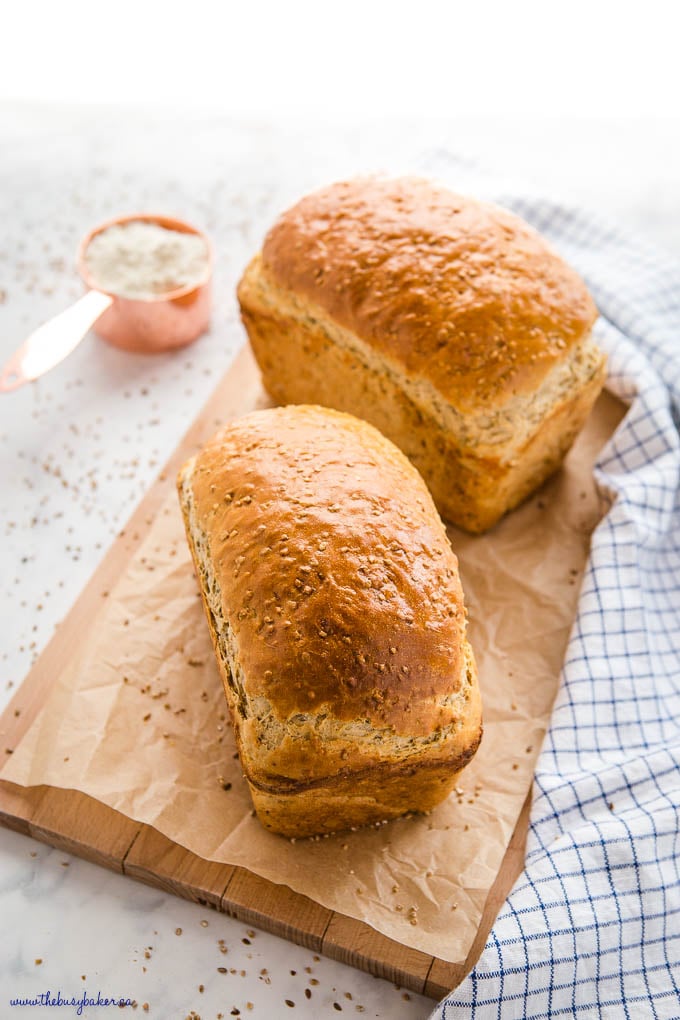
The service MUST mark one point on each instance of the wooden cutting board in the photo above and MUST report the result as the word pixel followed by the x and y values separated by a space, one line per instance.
pixel 78 824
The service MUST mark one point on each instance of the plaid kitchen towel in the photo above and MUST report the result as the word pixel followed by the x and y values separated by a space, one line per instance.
pixel 592 926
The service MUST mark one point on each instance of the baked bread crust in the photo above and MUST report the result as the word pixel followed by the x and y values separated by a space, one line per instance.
pixel 337 618
pixel 447 323
pixel 460 292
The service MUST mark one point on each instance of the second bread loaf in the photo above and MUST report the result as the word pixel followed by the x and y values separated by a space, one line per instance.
pixel 337 617
pixel 446 322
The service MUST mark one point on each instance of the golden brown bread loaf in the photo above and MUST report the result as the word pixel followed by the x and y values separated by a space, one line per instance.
pixel 337 617
pixel 447 323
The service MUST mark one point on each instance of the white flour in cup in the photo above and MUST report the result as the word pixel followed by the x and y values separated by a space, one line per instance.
pixel 143 260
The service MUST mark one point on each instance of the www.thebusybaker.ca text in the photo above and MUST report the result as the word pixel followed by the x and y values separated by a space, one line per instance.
pixel 79 1004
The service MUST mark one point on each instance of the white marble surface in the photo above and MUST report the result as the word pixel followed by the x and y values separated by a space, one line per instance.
pixel 79 448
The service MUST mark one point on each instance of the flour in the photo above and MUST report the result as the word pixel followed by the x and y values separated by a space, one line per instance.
pixel 143 260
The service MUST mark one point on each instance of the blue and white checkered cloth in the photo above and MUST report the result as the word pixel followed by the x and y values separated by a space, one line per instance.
pixel 592 926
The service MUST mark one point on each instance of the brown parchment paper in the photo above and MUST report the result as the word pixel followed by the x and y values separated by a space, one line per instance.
pixel 138 721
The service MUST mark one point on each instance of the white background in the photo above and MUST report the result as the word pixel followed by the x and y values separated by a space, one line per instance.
pixel 589 58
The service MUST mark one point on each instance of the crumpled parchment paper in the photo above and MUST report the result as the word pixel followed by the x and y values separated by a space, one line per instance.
pixel 138 721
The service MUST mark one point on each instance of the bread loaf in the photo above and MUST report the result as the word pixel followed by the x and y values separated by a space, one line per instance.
pixel 337 618
pixel 448 323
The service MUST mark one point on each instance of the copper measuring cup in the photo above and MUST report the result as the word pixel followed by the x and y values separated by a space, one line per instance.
pixel 150 325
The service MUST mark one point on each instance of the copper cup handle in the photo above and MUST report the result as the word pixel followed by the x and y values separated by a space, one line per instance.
pixel 53 341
